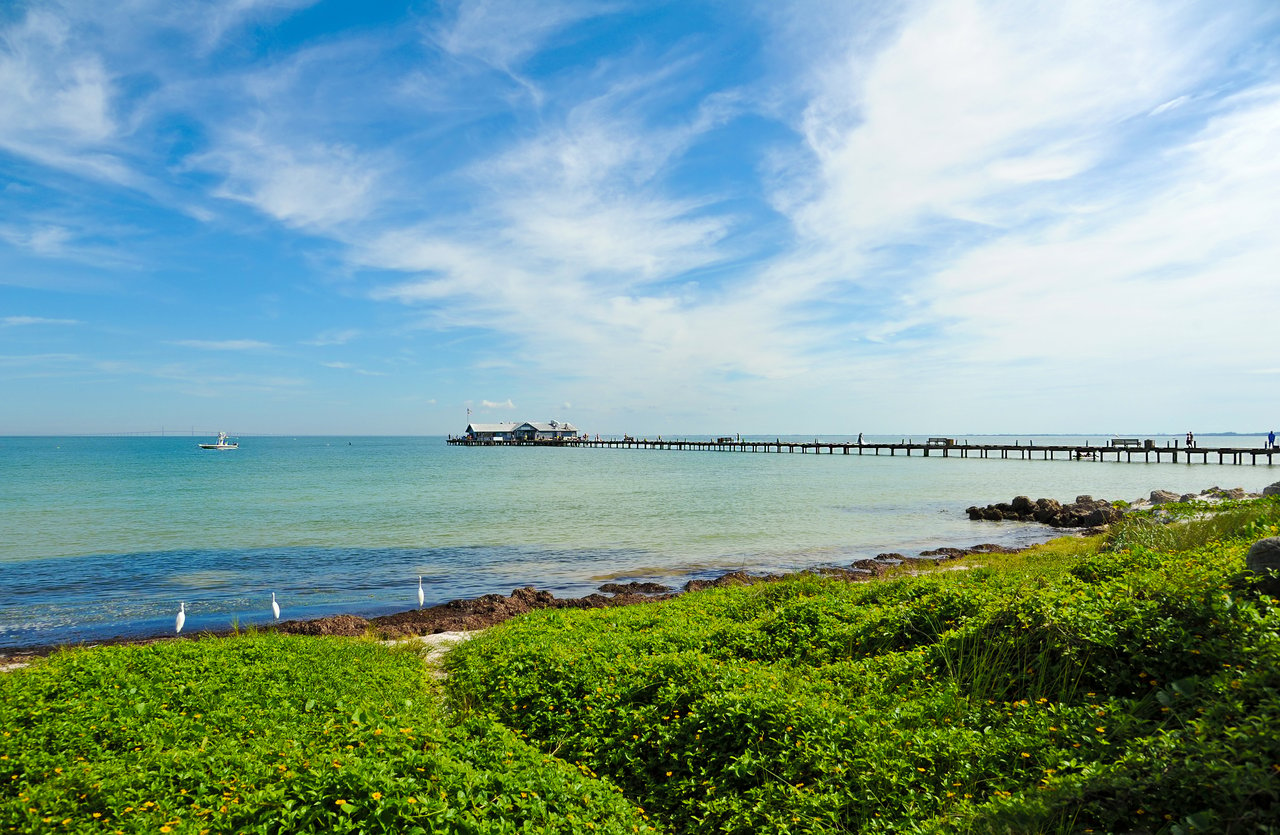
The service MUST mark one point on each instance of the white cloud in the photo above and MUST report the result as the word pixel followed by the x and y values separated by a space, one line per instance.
pixel 333 337
pixel 53 92
pixel 16 321
pixel 347 366
pixel 302 185
pixel 490 404
pixel 503 33
pixel 1145 275
pixel 970 101
pixel 223 344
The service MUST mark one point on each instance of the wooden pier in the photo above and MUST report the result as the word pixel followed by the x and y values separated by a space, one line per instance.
pixel 1030 451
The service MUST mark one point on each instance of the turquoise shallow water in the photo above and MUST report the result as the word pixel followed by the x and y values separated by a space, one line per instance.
pixel 103 537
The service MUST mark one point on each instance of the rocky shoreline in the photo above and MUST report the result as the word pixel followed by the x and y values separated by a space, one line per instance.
pixel 1088 512
pixel 1085 515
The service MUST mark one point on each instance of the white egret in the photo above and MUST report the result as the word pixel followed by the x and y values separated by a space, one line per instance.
pixel 275 607
pixel 421 597
pixel 182 617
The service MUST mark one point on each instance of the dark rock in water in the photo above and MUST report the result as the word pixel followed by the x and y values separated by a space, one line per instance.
pixel 1085 512
pixel 892 555
pixel 1163 496
pixel 1021 505
pixel 1045 510
pixel 1271 489
pixel 634 588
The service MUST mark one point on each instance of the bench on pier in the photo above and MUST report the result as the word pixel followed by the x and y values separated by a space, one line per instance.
pixel 942 442
pixel 1126 442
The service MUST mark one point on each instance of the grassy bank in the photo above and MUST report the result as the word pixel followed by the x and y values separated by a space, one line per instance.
pixel 1124 685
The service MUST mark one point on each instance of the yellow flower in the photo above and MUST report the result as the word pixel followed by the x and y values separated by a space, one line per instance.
pixel 413 800
pixel 339 801
pixel 377 795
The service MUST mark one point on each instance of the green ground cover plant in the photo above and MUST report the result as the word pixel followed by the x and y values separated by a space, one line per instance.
pixel 1092 685
pixel 272 734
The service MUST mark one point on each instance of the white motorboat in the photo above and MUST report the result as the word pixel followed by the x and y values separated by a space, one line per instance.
pixel 222 443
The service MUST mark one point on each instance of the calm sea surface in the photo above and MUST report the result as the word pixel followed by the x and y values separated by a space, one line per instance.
pixel 103 537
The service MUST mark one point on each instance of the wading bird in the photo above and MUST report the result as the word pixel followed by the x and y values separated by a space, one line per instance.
pixel 275 607
pixel 421 597
pixel 182 617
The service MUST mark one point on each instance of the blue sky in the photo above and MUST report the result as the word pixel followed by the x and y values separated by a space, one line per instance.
pixel 283 216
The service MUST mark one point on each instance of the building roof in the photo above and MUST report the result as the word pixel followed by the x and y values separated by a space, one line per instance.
pixel 476 428
pixel 550 426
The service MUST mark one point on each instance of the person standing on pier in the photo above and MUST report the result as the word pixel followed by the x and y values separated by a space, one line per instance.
pixel 1271 439
pixel 1191 439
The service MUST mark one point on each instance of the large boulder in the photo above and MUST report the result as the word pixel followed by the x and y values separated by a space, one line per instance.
pixel 1263 562
pixel 1272 489
pixel 1022 506
pixel 1163 496
pixel 1046 510
pixel 1264 556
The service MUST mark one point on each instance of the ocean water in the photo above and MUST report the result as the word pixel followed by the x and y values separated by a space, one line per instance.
pixel 104 537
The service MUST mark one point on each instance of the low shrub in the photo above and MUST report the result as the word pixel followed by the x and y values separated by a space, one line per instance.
pixel 271 734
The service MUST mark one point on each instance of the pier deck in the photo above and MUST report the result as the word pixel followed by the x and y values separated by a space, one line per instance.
pixel 1028 451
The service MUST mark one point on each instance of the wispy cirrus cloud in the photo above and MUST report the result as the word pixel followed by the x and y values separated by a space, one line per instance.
pixel 336 336
pixel 22 321
pixel 503 33
pixel 352 367
pixel 314 186
pixel 223 344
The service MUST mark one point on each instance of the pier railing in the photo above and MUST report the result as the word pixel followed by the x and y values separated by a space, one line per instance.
pixel 1148 453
